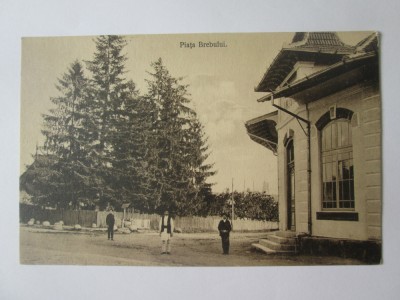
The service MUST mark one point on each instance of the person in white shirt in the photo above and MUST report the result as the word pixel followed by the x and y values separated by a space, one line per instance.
pixel 166 232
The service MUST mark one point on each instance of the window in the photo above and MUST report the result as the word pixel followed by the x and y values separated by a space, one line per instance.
pixel 337 166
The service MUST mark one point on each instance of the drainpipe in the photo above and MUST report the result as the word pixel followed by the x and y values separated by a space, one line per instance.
pixel 309 171
pixel 308 134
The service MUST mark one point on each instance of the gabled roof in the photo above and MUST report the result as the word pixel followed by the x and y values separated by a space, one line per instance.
pixel 369 44
pixel 322 77
pixel 344 65
pixel 31 173
pixel 365 52
pixel 305 46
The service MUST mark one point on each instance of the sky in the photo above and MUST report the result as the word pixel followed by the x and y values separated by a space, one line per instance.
pixel 221 83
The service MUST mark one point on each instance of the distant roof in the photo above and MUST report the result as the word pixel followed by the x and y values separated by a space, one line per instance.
pixel 38 166
pixel 125 205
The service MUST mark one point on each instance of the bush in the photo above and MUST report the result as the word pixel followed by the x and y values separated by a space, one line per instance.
pixel 250 205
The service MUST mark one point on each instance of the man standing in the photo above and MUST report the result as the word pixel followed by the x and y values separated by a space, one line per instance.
pixel 110 221
pixel 225 228
pixel 166 232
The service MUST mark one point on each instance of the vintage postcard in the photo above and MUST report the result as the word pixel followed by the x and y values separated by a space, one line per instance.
pixel 247 149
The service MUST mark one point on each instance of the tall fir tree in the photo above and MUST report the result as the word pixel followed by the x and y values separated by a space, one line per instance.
pixel 134 152
pixel 107 145
pixel 65 162
pixel 113 110
pixel 201 170
pixel 62 125
pixel 180 144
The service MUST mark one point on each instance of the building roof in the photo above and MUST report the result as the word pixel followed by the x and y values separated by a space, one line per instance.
pixel 338 70
pixel 327 42
pixel 125 205
pixel 342 65
pixel 325 47
pixel 369 44
pixel 34 170
pixel 364 52
pixel 262 130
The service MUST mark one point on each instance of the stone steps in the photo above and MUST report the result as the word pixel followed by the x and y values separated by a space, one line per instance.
pixel 280 242
pixel 276 246
pixel 286 234
pixel 262 248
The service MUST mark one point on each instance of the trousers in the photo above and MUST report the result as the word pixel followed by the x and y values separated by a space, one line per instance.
pixel 225 243
pixel 166 242
pixel 110 232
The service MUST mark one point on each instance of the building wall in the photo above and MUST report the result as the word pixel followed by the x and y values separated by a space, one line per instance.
pixel 286 125
pixel 364 101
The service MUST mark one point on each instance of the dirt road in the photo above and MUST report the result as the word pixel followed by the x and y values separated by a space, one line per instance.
pixel 38 246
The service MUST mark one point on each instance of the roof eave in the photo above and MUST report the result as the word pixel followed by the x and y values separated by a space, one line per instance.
pixel 259 87
pixel 315 78
pixel 285 53
pixel 262 130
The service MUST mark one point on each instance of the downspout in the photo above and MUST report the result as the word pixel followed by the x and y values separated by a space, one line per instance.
pixel 308 134
pixel 309 171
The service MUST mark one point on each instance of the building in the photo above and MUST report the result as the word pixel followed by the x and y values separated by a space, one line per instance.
pixel 326 133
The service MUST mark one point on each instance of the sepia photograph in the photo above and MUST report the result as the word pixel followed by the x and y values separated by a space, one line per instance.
pixel 201 150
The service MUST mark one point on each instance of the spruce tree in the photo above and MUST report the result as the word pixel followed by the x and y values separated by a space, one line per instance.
pixel 64 164
pixel 110 93
pixel 181 171
pixel 107 145
pixel 201 193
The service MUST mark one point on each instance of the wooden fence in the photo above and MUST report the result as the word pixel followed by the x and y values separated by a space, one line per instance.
pixel 70 217
pixel 144 221
pixel 210 223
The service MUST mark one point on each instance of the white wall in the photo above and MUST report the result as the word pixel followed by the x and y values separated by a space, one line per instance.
pixel 364 101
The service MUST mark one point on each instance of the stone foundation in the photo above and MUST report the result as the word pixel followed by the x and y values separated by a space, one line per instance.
pixel 369 252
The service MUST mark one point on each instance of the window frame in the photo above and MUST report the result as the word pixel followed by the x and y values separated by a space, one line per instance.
pixel 343 116
pixel 337 152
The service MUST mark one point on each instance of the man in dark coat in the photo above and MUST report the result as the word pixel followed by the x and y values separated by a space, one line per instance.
pixel 110 221
pixel 225 228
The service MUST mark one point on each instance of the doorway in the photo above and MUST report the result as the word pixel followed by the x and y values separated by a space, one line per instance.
pixel 291 209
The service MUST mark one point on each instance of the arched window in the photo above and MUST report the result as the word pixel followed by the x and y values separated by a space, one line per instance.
pixel 337 165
